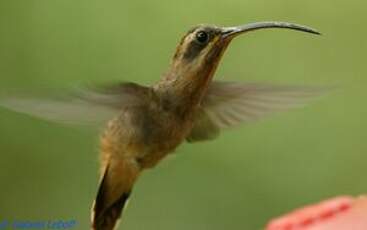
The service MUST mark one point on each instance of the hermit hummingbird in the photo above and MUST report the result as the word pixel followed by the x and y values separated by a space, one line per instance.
pixel 145 123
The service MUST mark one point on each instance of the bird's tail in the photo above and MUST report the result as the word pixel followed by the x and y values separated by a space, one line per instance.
pixel 113 194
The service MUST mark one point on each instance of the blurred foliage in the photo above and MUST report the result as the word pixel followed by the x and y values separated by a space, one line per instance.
pixel 239 181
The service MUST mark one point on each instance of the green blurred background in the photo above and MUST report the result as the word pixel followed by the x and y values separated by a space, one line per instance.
pixel 239 181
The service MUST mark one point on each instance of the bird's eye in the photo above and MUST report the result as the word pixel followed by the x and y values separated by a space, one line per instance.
pixel 202 37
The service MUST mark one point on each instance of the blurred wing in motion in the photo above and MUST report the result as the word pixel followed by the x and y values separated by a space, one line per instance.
pixel 203 129
pixel 87 106
pixel 228 104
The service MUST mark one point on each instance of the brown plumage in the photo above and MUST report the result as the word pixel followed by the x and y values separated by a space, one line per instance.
pixel 147 123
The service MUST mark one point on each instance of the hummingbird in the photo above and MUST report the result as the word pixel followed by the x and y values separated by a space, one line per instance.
pixel 143 124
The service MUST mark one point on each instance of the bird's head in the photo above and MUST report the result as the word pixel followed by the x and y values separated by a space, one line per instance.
pixel 201 48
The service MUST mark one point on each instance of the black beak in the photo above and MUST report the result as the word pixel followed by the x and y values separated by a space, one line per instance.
pixel 230 32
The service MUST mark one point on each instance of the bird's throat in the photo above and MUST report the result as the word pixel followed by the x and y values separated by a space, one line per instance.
pixel 187 81
pixel 185 88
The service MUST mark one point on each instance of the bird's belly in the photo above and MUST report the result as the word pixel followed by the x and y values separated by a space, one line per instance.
pixel 143 139
pixel 161 145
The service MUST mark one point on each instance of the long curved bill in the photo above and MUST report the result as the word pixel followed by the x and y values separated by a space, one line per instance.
pixel 230 32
